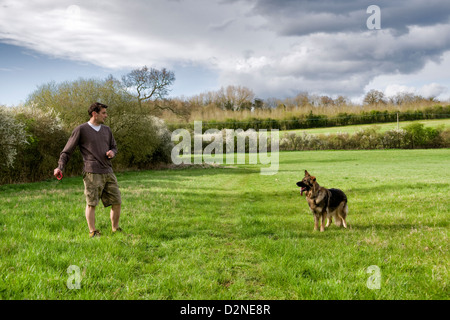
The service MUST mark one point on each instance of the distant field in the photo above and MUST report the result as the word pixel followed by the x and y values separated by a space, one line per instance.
pixel 445 123
pixel 231 233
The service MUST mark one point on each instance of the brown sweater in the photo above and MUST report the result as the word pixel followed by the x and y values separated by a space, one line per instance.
pixel 93 146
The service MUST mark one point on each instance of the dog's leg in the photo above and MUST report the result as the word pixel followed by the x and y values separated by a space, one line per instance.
pixel 316 222
pixel 343 222
pixel 329 219
pixel 322 225
pixel 338 218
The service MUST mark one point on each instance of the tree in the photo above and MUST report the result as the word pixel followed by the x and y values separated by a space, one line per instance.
pixel 341 101
pixel 71 99
pixel 149 83
pixel 374 97
pixel 301 100
pixel 234 98
pixel 258 103
pixel 405 97
pixel 326 101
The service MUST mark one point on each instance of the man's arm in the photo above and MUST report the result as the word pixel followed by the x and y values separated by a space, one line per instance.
pixel 112 148
pixel 71 144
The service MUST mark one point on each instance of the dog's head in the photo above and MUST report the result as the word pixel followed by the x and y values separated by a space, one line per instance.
pixel 306 183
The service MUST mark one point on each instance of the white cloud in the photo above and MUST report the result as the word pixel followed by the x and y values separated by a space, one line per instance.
pixel 394 89
pixel 432 90
pixel 114 33
pixel 427 91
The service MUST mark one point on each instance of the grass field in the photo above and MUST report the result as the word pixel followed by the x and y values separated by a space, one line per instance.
pixel 444 123
pixel 231 233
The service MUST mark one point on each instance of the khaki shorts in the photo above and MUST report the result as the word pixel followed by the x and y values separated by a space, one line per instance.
pixel 101 186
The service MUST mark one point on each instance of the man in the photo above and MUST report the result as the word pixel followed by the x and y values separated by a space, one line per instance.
pixel 98 147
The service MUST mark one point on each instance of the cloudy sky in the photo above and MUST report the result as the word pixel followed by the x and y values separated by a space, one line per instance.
pixel 276 48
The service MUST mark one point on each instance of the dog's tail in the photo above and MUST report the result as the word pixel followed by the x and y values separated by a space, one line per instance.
pixel 341 213
pixel 345 210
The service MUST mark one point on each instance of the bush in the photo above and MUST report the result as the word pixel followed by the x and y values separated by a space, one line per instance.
pixel 367 138
pixel 394 139
pixel 142 141
pixel 291 142
pixel 46 138
pixel 12 137
pixel 420 137
pixel 413 136
pixel 305 141
pixel 445 138
pixel 164 146
pixel 338 141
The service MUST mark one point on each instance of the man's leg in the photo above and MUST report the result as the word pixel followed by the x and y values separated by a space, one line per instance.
pixel 90 217
pixel 91 190
pixel 115 215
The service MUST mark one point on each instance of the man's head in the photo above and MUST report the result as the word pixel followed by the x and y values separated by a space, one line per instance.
pixel 97 112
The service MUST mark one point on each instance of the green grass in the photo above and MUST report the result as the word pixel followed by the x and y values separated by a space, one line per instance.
pixel 231 233
pixel 444 123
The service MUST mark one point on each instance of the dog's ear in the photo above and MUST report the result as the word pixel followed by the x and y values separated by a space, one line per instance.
pixel 306 173
pixel 313 179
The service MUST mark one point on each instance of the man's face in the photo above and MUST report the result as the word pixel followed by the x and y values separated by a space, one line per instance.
pixel 100 117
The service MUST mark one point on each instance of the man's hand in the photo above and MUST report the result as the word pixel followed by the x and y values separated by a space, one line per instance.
pixel 110 154
pixel 57 173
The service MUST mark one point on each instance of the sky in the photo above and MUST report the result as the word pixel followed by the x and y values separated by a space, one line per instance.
pixel 276 48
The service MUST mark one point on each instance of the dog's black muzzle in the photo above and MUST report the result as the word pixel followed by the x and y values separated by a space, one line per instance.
pixel 304 187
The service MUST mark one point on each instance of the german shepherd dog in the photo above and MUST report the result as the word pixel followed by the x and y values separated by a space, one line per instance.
pixel 323 202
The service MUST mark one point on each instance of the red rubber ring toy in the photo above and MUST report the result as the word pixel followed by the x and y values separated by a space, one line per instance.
pixel 59 176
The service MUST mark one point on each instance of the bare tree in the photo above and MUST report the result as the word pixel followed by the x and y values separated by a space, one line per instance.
pixel 301 100
pixel 326 101
pixel 150 84
pixel 234 98
pixel 405 97
pixel 374 97
pixel 341 101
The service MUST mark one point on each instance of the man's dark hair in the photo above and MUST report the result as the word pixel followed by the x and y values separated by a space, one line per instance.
pixel 96 106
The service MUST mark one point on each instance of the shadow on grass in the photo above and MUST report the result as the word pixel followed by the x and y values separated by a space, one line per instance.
pixel 393 226
pixel 307 160
pixel 390 187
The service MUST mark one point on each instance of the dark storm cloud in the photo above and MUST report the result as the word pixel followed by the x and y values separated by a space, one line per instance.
pixel 293 17
pixel 333 51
